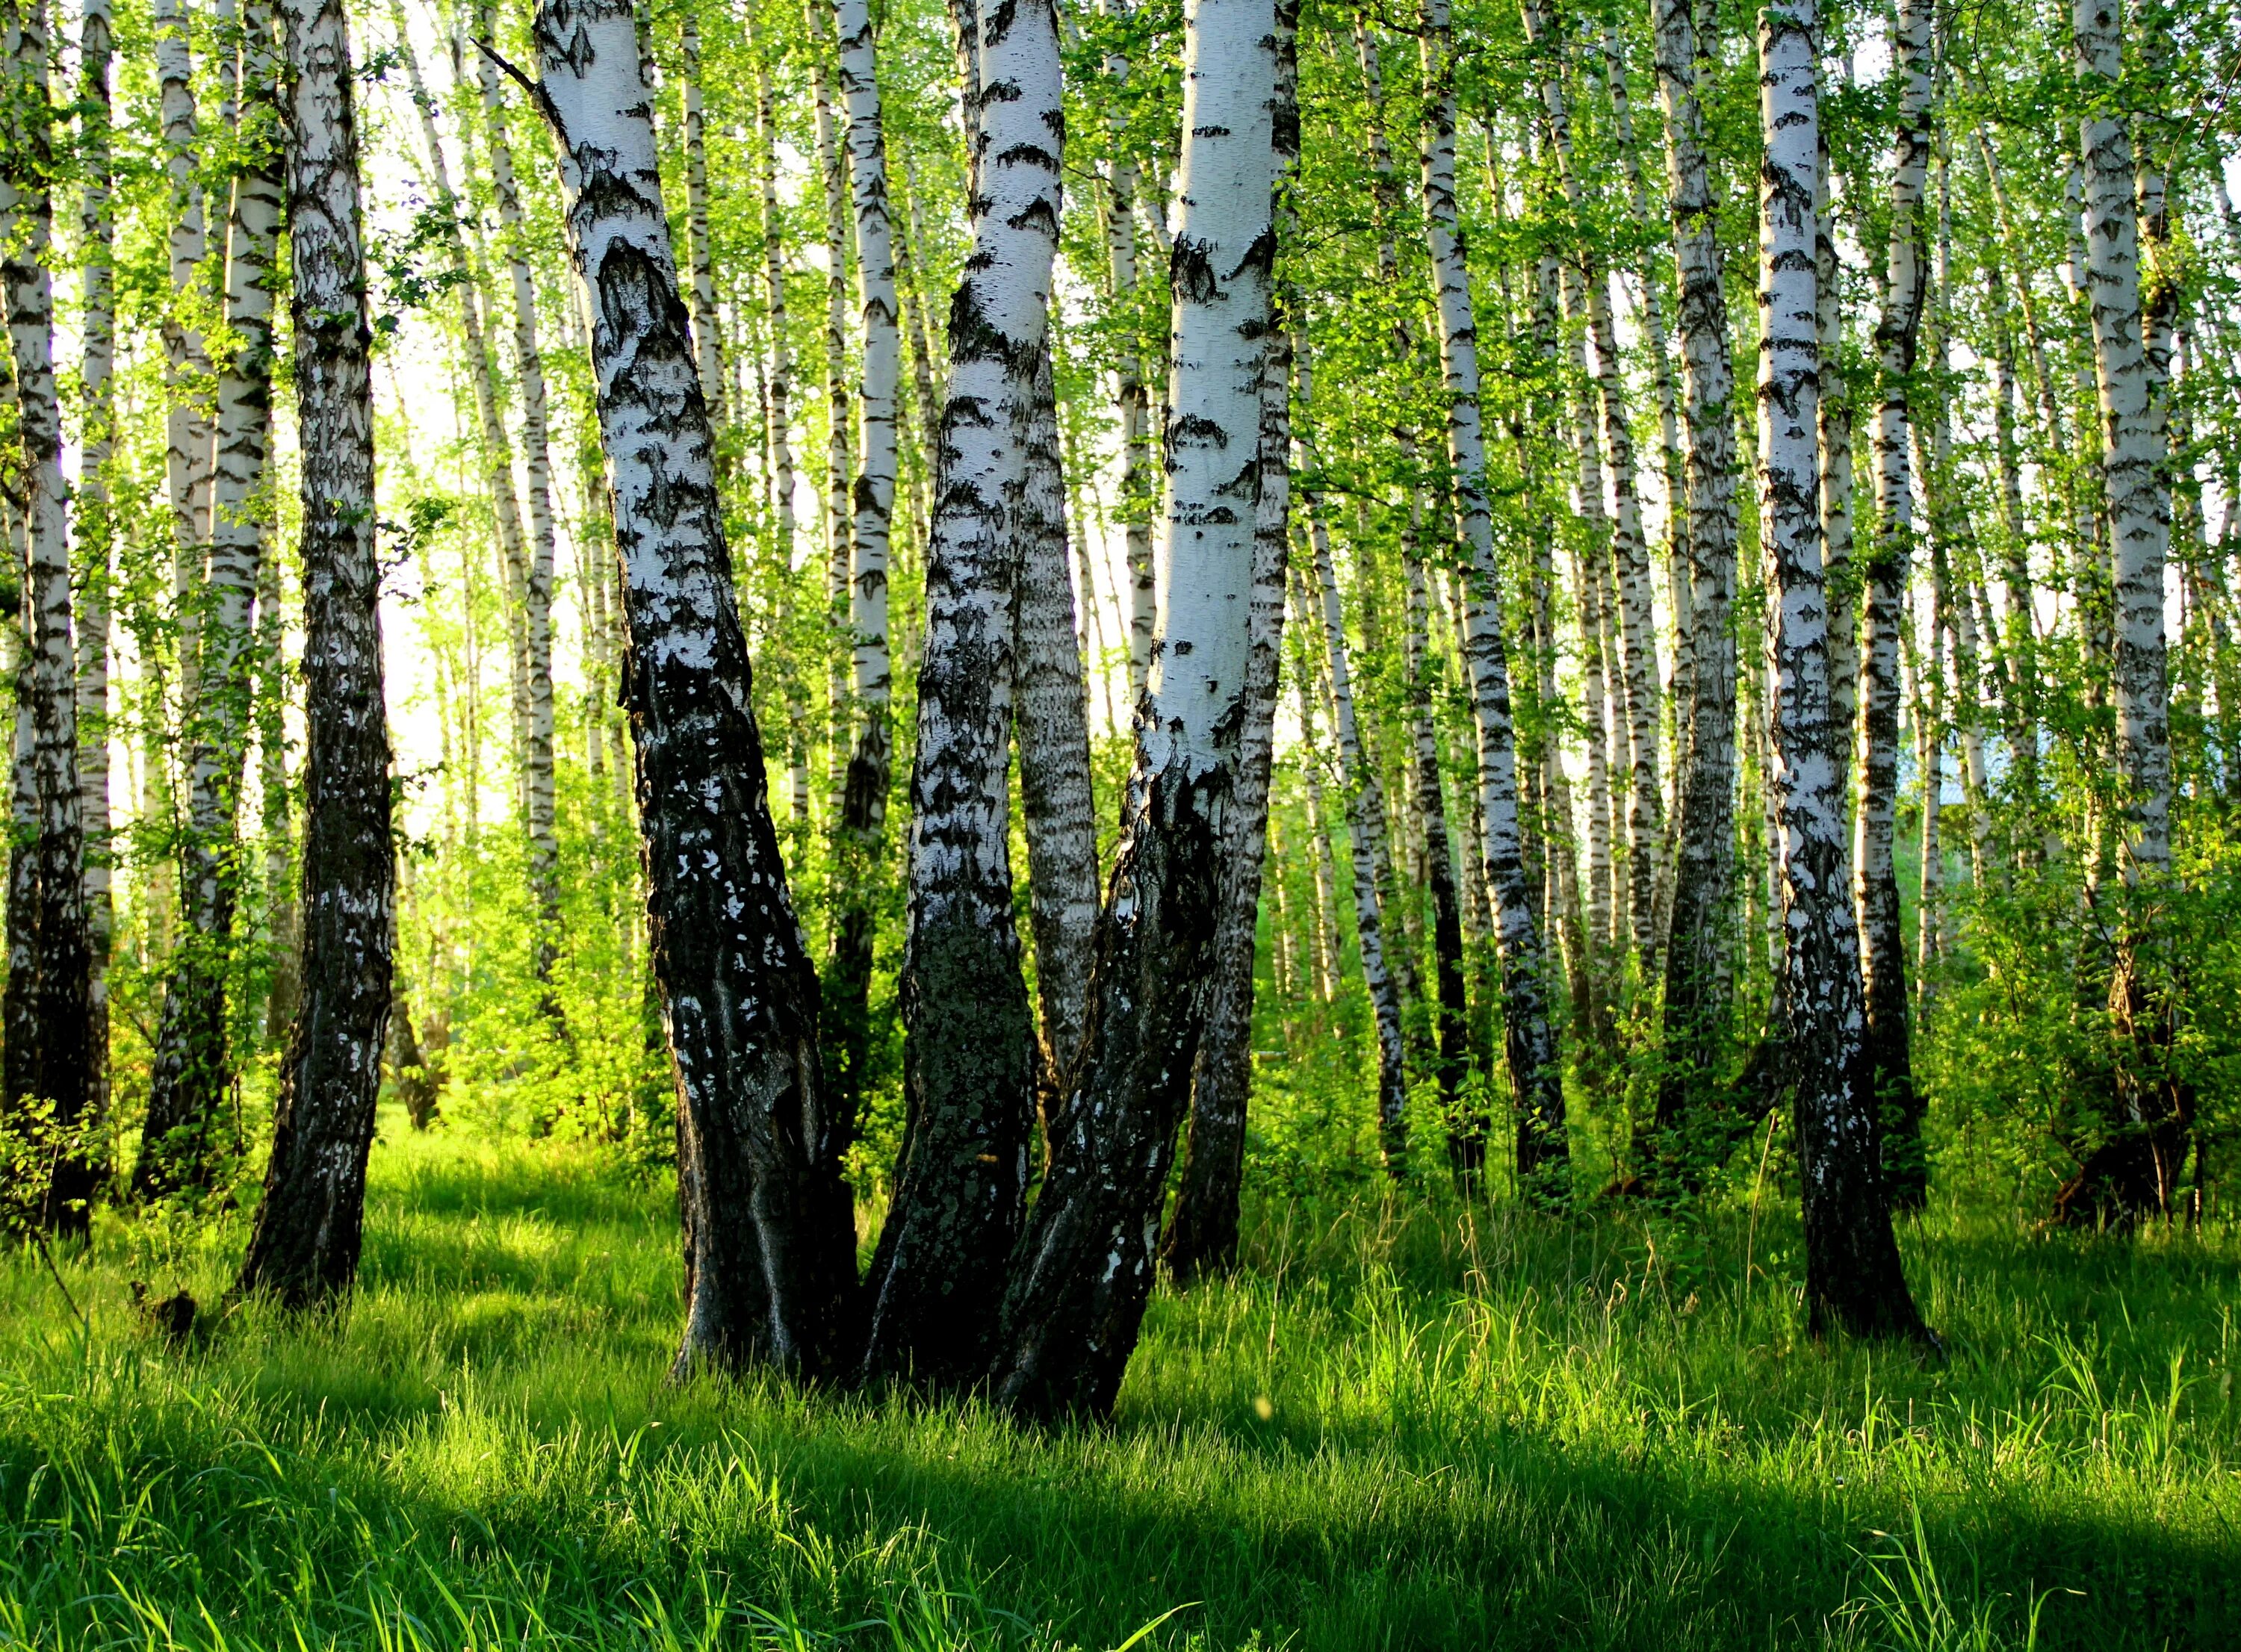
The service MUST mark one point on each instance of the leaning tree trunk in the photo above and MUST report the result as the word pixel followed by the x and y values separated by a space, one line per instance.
pixel 96 526
pixel 769 1234
pixel 1704 876
pixel 1536 1069
pixel 49 1012
pixel 1084 1267
pixel 538 788
pixel 1853 1278
pixel 190 1073
pixel 860 835
pixel 2137 1170
pixel 304 1247
pixel 1875 872
pixel 960 1181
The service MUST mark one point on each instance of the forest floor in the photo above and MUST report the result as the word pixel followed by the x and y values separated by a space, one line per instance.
pixel 1390 1430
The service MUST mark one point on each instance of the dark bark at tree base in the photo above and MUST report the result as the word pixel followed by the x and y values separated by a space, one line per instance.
pixel 1083 1269
pixel 2134 1175
pixel 937 1282
pixel 1854 1281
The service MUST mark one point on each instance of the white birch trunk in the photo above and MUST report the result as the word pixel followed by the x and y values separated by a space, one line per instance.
pixel 779 439
pixel 1085 1264
pixel 1365 820
pixel 960 1185
pixel 1634 624
pixel 1704 888
pixel 186 362
pixel 770 1241
pixel 707 340
pixel 538 788
pixel 1853 1278
pixel 1874 871
pixel 190 1077
pixel 1139 488
pixel 1543 1159
pixel 2134 447
pixel 96 520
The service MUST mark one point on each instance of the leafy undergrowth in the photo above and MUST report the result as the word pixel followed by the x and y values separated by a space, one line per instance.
pixel 1426 1429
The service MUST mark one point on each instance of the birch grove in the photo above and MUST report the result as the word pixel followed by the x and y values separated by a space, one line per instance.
pixel 1605 845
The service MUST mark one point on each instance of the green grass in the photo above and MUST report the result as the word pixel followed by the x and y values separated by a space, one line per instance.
pixel 1397 1428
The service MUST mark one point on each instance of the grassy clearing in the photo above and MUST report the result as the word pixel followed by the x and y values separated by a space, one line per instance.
pixel 1392 1430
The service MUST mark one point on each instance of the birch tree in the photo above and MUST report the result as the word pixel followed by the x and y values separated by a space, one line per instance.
pixel 1543 1154
pixel 1875 872
pixel 1084 1265
pixel 1695 964
pixel 960 1182
pixel 304 1245
pixel 191 1070
pixel 769 1235
pixel 1852 1275
pixel 49 1008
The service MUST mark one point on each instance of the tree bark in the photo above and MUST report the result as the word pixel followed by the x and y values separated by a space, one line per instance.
pixel 860 838
pixel 1536 1069
pixel 96 526
pixel 304 1246
pixel 1882 955
pixel 1084 1265
pixel 1635 626
pixel 2136 1170
pixel 538 788
pixel 186 362
pixel 961 1181
pixel 1051 707
pixel 770 1244
pixel 1139 488
pixel 191 1068
pixel 1703 891
pixel 707 340
pixel 1853 1278
pixel 48 1005
pixel 778 437
pixel 1202 1235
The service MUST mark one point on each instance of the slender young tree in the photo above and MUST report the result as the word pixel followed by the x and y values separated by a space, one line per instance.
pixel 769 1234
pixel 191 1069
pixel 862 826
pixel 186 362
pixel 960 1182
pixel 1051 712
pixel 1084 1265
pixel 1536 1072
pixel 1695 958
pixel 95 524
pixel 707 338
pixel 1874 870
pixel 1138 489
pixel 538 785
pixel 304 1246
pixel 1853 1278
